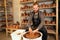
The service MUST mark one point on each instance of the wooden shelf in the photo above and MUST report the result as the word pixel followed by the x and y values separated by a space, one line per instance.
pixel 25 16
pixel 51 31
pixel 1 11
pixel 2 22
pixel 24 23
pixel 4 12
pixel 4 27
pixel 45 16
pixel 44 24
pixel 50 16
pixel 9 7
pixel 47 7
pixel 1 6
pixel 39 8
pixel 10 21
pixel 10 16
pixel 5 17
pixel 12 28
pixel 33 1
pixel 50 24
pixel 2 16
pixel 44 0
pixel 27 2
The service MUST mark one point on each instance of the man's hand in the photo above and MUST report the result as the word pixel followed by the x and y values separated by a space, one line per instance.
pixel 30 30
pixel 35 30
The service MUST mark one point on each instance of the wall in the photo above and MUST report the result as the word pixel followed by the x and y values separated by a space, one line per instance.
pixel 16 10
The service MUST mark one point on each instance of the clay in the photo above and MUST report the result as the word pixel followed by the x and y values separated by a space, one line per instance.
pixel 32 35
pixel 54 5
pixel 53 14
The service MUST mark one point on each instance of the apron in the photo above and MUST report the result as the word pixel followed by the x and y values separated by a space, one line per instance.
pixel 36 21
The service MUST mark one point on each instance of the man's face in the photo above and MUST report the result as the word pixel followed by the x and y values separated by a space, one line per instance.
pixel 35 8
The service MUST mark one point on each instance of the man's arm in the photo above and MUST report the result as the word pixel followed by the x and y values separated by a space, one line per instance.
pixel 30 20
pixel 41 15
pixel 29 23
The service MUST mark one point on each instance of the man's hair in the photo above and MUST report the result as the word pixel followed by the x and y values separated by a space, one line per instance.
pixel 35 3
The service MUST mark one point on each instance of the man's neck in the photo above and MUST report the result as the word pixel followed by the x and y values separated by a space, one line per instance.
pixel 36 11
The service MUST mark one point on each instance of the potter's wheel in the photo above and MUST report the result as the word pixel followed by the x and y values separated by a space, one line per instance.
pixel 32 36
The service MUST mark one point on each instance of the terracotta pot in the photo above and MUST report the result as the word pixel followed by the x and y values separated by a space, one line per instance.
pixel 6 27
pixel 22 14
pixel 41 6
pixel 22 8
pixel 26 14
pixel 49 5
pixel 46 22
pixel 54 5
pixel 50 14
pixel 44 5
pixel 23 21
pixel 53 14
pixel 17 26
pixel 14 26
pixel 21 0
pixel 47 14
pixel 26 21
pixel 10 26
pixel 25 7
pixel 53 22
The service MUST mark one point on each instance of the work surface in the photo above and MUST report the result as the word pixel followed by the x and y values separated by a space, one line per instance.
pixel 3 36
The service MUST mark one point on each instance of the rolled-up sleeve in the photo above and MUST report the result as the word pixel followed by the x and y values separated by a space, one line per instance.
pixel 41 15
pixel 30 20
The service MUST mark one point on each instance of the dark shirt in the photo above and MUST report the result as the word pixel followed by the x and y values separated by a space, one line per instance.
pixel 41 16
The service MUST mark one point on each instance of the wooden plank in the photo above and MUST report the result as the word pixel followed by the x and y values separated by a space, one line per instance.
pixel 50 24
pixel 39 8
pixel 27 2
pixel 56 19
pixel 51 32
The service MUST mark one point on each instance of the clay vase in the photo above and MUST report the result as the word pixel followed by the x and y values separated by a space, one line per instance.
pixel 53 14
pixel 53 22
pixel 54 5
pixel 44 5
pixel 50 14
pixel 47 14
